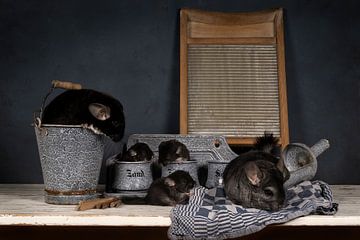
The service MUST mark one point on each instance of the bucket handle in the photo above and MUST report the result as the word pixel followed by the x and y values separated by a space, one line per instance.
pixel 56 84
pixel 66 85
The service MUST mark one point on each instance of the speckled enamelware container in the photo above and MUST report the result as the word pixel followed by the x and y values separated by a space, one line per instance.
pixel 71 158
pixel 202 148
pixel 300 160
pixel 132 177
pixel 215 173
pixel 189 166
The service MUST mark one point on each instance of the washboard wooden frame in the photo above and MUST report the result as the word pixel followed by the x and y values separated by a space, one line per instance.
pixel 215 49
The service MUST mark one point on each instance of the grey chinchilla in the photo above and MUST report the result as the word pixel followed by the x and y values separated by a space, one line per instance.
pixel 255 179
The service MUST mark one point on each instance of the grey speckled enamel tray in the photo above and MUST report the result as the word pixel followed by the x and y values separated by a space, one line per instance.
pixel 202 148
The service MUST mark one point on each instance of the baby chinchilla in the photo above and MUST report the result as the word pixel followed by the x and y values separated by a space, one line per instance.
pixel 136 153
pixel 172 151
pixel 171 190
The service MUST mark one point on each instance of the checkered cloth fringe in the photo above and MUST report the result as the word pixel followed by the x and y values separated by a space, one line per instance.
pixel 209 215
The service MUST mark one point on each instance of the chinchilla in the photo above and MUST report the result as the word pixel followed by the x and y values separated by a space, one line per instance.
pixel 97 111
pixel 255 179
pixel 136 153
pixel 172 151
pixel 171 190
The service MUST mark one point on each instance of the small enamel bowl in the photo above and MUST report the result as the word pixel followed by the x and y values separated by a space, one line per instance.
pixel 215 173
pixel 132 176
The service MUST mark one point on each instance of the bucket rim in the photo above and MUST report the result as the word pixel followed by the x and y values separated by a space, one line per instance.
pixel 59 125
pixel 138 163
pixel 217 162
pixel 189 162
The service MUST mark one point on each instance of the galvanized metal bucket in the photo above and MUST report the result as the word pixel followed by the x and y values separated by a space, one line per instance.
pixel 71 158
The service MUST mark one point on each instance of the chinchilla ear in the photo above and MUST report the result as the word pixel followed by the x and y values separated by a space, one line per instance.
pixel 169 182
pixel 99 111
pixel 253 173
pixel 178 150
pixel 133 153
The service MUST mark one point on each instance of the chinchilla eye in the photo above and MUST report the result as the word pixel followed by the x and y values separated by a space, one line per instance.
pixel 115 123
pixel 268 192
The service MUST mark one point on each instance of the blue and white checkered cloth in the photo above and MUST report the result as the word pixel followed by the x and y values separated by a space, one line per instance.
pixel 209 215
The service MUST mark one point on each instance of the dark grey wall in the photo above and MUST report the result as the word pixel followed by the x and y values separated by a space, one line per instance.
pixel 130 50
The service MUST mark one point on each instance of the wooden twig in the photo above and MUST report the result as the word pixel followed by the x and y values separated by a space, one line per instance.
pixel 99 203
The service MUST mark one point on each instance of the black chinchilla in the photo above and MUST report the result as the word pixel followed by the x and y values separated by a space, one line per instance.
pixel 136 153
pixel 255 179
pixel 97 111
pixel 172 151
pixel 171 190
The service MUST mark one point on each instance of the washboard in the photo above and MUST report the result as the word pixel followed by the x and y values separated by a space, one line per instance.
pixel 232 75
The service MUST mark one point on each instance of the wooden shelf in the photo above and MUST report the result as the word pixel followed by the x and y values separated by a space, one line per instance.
pixel 24 205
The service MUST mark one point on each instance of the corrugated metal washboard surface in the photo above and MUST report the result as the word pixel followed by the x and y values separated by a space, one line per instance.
pixel 233 90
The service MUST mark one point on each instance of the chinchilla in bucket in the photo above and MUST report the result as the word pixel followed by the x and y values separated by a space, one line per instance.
pixel 135 177
pixel 189 166
pixel 70 157
pixel 215 173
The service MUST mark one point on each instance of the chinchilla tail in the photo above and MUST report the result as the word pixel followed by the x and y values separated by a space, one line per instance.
pixel 268 143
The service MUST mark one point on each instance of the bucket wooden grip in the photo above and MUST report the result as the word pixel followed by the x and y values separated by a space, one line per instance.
pixel 66 85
